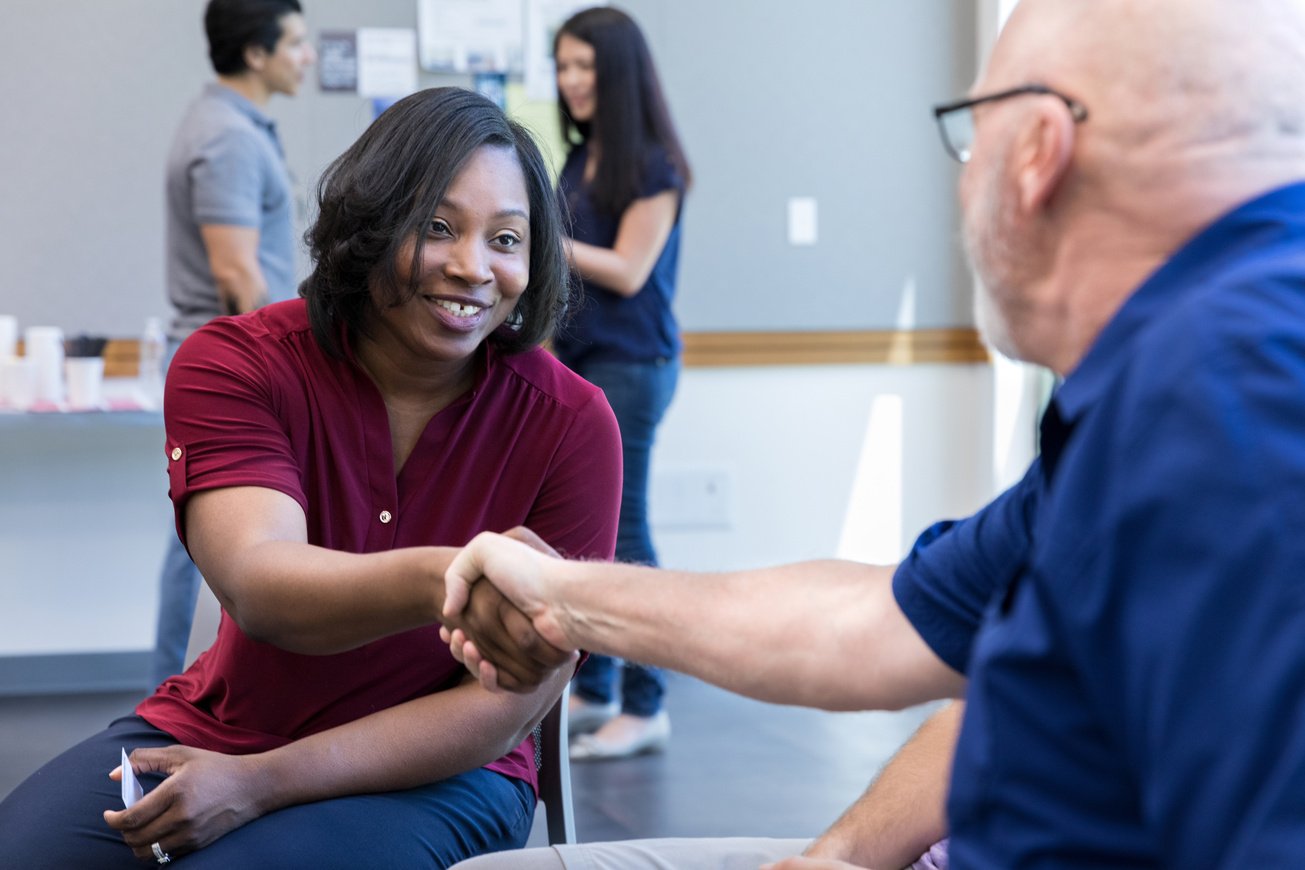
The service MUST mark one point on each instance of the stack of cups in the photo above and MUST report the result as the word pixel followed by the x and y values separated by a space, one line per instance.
pixel 17 374
pixel 44 347
pixel 84 373
pixel 8 337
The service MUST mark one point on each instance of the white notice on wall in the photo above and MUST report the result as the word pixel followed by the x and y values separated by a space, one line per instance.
pixel 387 61
pixel 543 18
pixel 470 35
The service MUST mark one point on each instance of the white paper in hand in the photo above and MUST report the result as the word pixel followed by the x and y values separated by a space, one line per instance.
pixel 131 790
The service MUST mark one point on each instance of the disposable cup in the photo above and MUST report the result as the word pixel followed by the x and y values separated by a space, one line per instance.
pixel 18 383
pixel 44 345
pixel 8 335
pixel 85 380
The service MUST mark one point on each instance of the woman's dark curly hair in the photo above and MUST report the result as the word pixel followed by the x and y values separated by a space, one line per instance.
pixel 383 192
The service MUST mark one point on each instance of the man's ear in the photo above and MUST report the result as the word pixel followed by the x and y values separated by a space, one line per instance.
pixel 1044 150
pixel 255 57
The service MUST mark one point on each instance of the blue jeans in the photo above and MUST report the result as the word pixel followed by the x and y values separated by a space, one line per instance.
pixel 179 582
pixel 639 394
pixel 53 818
pixel 178 589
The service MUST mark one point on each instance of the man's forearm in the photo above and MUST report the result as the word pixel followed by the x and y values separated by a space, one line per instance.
pixel 903 812
pixel 824 634
pixel 241 292
pixel 233 260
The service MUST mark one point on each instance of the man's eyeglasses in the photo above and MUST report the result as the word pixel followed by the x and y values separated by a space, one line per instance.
pixel 956 120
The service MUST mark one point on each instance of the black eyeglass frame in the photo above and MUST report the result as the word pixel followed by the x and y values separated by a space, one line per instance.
pixel 1077 110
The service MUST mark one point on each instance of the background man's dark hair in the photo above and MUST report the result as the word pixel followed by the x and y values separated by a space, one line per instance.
pixel 234 25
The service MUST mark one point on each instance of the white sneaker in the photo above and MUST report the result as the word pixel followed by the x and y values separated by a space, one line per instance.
pixel 623 737
pixel 584 716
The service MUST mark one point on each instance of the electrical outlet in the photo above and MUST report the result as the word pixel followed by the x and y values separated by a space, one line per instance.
pixel 690 498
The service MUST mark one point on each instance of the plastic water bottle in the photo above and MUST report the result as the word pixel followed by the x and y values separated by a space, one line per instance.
pixel 153 348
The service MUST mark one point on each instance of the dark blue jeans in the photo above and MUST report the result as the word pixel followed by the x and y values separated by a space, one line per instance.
pixel 179 581
pixel 639 394
pixel 53 819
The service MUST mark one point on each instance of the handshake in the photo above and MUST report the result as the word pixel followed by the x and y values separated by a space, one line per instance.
pixel 501 618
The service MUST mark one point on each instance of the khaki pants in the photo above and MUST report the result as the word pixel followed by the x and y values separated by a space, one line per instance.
pixel 723 853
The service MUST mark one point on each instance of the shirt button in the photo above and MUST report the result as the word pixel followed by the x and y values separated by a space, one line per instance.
pixel 176 453
pixel 386 516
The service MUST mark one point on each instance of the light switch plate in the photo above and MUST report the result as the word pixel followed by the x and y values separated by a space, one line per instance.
pixel 802 220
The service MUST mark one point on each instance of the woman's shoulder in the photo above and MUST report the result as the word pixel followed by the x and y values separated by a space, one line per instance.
pixel 655 153
pixel 542 373
pixel 248 339
pixel 271 321
pixel 574 162
pixel 660 171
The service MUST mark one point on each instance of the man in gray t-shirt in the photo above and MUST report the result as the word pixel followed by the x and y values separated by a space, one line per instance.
pixel 230 239
pixel 230 236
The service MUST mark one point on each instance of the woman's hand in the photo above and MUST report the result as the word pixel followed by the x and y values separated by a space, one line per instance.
pixel 206 794
pixel 490 633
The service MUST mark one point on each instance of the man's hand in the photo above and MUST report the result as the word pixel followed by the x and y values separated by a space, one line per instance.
pixel 233 260
pixel 507 652
pixel 531 540
pixel 206 795
pixel 503 632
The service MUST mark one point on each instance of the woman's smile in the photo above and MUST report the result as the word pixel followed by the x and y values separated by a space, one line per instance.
pixel 462 315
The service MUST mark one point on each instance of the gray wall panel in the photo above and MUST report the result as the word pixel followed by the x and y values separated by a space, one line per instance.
pixel 827 99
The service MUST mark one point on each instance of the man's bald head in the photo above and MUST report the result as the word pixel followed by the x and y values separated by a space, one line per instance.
pixel 1192 108
pixel 1167 74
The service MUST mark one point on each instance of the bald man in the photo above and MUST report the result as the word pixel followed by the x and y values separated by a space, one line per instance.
pixel 1134 203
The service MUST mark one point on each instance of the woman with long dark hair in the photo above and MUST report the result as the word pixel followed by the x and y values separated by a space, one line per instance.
pixel 623 183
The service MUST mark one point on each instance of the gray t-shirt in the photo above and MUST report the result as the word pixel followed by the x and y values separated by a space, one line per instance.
pixel 226 167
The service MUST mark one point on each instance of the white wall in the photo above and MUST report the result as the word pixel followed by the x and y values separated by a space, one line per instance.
pixel 84 513
pixel 789 441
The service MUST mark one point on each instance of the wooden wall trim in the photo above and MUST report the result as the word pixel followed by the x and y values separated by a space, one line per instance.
pixel 886 347
pixel 122 358
pixel 721 349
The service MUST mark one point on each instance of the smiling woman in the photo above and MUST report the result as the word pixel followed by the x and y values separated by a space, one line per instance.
pixel 326 456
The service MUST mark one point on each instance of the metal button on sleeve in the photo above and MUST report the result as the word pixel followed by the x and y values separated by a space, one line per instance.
pixel 176 453
pixel 386 516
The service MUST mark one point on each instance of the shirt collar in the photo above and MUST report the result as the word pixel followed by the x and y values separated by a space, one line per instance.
pixel 242 104
pixel 1244 233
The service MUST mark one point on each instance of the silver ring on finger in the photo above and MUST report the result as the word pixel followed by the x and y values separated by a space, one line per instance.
pixel 159 855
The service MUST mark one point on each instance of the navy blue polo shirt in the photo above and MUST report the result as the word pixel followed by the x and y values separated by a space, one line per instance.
pixel 1137 688
pixel 605 326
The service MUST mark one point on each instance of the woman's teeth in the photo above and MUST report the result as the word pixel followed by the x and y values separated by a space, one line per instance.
pixel 457 309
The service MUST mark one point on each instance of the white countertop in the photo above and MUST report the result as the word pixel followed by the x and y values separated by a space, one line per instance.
pixel 125 403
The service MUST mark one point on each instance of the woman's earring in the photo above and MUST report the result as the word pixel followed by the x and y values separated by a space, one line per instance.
pixel 516 320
